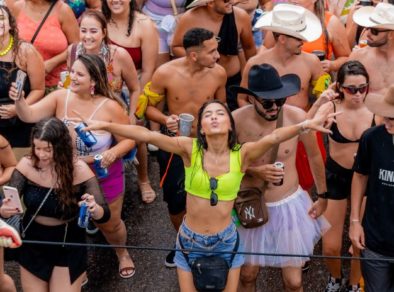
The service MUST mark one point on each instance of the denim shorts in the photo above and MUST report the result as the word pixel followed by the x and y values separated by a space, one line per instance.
pixel 220 242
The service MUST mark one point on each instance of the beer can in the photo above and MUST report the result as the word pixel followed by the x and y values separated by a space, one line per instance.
pixel 86 136
pixel 281 165
pixel 84 215
pixel 65 78
pixel 101 172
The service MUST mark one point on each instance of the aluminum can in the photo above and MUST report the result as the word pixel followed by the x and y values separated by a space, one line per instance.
pixel 281 165
pixel 86 136
pixel 84 215
pixel 101 172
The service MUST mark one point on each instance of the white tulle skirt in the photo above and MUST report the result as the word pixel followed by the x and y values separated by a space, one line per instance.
pixel 290 230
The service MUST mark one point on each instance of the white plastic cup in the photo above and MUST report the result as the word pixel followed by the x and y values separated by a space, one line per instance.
pixel 185 124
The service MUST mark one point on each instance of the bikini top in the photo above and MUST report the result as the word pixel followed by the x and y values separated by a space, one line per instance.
pixel 338 137
pixel 197 179
pixel 104 139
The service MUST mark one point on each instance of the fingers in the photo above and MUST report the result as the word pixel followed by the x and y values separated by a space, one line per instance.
pixel 108 158
pixel 172 123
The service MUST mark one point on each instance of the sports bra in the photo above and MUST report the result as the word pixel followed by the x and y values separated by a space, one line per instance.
pixel 338 137
pixel 197 179
pixel 135 54
pixel 104 139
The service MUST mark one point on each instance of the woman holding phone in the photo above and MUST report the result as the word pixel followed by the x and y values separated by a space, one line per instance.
pixel 53 183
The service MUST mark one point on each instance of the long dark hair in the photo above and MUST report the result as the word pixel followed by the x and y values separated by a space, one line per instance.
pixel 13 29
pixel 349 68
pixel 98 73
pixel 53 131
pixel 320 12
pixel 107 13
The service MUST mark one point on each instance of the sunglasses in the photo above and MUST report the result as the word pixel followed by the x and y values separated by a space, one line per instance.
pixel 376 31
pixel 353 89
pixel 267 104
pixel 213 185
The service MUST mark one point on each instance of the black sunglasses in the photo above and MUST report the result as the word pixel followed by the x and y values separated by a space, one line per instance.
pixel 353 89
pixel 376 31
pixel 213 185
pixel 267 103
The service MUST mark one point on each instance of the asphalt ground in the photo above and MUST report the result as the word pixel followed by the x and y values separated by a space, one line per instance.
pixel 149 226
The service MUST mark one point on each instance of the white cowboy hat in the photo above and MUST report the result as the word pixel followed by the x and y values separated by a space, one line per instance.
pixel 292 20
pixel 380 16
pixel 196 3
pixel 381 105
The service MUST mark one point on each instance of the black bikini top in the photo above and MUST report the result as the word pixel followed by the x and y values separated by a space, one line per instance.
pixel 338 137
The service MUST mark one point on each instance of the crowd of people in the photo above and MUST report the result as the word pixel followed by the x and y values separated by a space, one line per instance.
pixel 305 85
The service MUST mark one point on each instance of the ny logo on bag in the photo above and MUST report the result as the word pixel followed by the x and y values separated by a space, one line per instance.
pixel 249 213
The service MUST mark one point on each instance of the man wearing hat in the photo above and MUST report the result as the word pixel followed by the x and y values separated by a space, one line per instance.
pixel 231 24
pixel 374 177
pixel 378 56
pixel 294 224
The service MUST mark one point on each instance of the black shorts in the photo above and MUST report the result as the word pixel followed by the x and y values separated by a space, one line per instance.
pixel 174 184
pixel 339 180
pixel 40 259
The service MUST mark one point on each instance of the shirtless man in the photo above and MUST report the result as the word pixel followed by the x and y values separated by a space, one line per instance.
pixel 378 56
pixel 293 226
pixel 186 83
pixel 231 24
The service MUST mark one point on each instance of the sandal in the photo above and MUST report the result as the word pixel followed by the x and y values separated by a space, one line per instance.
pixel 148 195
pixel 128 271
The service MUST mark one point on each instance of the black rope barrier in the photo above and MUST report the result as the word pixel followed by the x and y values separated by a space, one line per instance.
pixel 153 248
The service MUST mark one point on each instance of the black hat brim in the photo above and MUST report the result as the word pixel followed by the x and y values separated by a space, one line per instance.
pixel 291 86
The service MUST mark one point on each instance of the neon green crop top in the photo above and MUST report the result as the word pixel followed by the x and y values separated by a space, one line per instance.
pixel 197 179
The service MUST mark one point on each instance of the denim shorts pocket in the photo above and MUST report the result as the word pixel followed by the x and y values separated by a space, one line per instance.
pixel 230 239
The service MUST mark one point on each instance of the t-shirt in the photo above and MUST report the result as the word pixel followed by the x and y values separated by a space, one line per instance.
pixel 375 158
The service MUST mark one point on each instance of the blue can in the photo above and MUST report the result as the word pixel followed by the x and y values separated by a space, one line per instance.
pixel 101 172
pixel 86 136
pixel 84 215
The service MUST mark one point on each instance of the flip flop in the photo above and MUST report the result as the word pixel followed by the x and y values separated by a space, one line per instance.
pixel 147 195
pixel 123 272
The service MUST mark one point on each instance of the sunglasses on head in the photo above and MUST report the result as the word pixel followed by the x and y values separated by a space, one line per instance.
pixel 268 103
pixel 213 185
pixel 376 31
pixel 353 89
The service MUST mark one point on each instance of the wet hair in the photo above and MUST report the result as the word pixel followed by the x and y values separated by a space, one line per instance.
pixel 100 18
pixel 232 136
pixel 53 131
pixel 350 68
pixel 195 37
pixel 98 73
pixel 13 29
pixel 107 13
pixel 320 12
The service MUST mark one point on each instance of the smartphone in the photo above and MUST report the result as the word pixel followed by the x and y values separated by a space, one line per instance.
pixel 13 194
pixel 20 82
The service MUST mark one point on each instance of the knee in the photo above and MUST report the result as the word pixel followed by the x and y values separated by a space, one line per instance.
pixel 332 249
pixel 248 275
pixel 293 284
pixel 111 227
pixel 7 284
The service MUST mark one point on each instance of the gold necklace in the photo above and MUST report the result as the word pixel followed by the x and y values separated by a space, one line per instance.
pixel 8 48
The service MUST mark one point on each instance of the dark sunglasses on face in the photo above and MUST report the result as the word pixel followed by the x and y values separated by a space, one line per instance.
pixel 376 31
pixel 353 89
pixel 213 185
pixel 267 104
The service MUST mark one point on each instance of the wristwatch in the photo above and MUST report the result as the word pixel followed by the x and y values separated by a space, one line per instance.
pixel 324 195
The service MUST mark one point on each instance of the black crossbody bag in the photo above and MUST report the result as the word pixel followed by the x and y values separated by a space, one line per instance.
pixel 210 273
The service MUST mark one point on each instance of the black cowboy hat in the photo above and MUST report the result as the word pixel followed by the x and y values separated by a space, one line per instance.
pixel 265 83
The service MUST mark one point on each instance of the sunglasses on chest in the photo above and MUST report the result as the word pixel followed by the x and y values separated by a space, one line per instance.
pixel 213 185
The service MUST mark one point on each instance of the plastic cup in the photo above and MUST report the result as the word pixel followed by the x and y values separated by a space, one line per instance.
pixel 363 43
pixel 185 124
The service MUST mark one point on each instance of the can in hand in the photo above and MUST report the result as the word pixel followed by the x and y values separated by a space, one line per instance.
pixel 84 216
pixel 281 165
pixel 86 136
pixel 101 172
pixel 65 79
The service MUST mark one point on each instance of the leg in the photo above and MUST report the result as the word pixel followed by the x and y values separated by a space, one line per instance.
pixel 60 281
pixel 185 280
pixel 292 279
pixel 115 232
pixel 232 280
pixel 147 193
pixel 177 219
pixel 378 275
pixel 31 283
pixel 248 278
pixel 332 239
pixel 6 282
pixel 355 268
pixel 162 58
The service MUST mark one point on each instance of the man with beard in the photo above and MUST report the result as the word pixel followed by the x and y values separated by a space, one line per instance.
pixel 294 225
pixel 185 84
pixel 378 56
pixel 231 24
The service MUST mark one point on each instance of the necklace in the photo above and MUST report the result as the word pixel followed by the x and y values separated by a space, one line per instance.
pixel 8 48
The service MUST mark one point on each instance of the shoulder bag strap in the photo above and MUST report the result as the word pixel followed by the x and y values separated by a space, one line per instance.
pixel 43 21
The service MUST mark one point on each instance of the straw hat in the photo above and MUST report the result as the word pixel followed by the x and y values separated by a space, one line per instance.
pixel 381 105
pixel 292 20
pixel 380 16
